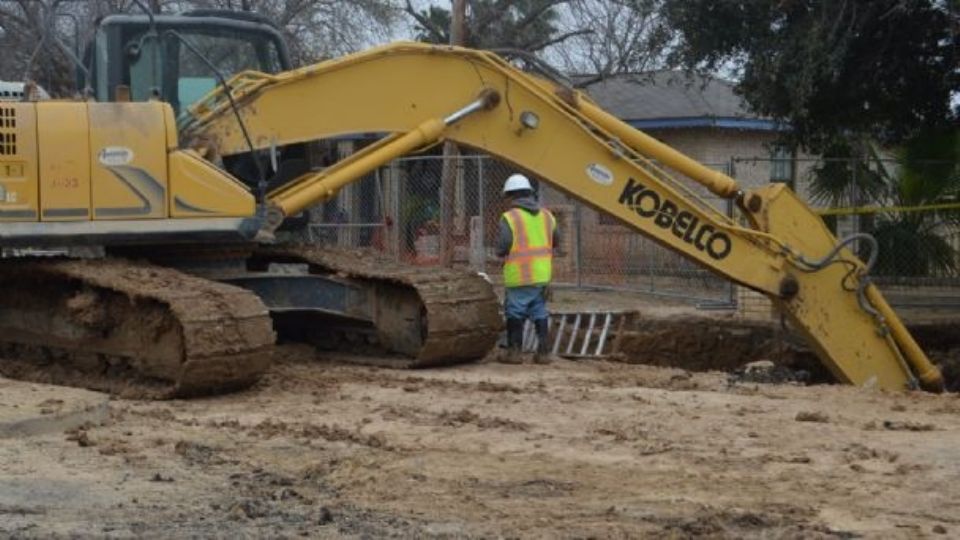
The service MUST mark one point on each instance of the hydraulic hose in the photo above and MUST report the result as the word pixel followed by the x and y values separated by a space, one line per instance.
pixel 870 300
pixel 864 275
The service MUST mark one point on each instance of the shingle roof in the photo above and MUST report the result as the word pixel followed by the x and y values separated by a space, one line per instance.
pixel 672 96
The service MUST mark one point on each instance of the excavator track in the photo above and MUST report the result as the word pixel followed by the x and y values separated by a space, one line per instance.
pixel 129 328
pixel 430 316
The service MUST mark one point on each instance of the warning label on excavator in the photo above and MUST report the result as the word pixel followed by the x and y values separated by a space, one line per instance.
pixel 666 214
pixel 600 174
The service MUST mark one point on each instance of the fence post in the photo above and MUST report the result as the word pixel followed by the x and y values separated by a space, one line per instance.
pixel 731 286
pixel 482 212
pixel 650 271
pixel 855 188
pixel 397 185
pixel 578 261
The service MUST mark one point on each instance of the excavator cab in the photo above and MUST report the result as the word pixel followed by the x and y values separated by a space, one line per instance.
pixel 180 58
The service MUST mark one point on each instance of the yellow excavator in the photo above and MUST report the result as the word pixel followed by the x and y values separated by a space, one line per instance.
pixel 191 157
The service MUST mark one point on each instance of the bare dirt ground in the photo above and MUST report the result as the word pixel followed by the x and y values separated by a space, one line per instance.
pixel 321 448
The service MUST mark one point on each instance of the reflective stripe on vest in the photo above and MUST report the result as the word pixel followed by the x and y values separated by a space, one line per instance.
pixel 530 261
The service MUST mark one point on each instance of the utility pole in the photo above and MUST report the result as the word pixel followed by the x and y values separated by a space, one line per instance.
pixel 449 174
pixel 458 23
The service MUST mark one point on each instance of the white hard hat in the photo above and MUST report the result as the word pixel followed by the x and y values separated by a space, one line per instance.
pixel 517 182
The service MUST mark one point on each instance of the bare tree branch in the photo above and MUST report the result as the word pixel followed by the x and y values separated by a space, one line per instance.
pixel 539 46
pixel 626 37
pixel 435 32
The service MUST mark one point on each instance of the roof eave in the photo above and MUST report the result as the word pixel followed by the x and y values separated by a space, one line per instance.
pixel 751 124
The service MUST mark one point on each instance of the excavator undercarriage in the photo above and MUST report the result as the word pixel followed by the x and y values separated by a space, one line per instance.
pixel 428 316
pixel 133 329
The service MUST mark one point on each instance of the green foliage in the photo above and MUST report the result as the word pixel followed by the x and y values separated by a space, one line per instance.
pixel 910 248
pixel 841 180
pixel 831 68
pixel 433 25
pixel 926 172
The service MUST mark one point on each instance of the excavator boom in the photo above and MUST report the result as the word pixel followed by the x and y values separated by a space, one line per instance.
pixel 419 94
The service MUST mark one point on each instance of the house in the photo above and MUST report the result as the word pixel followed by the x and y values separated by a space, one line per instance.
pixel 703 118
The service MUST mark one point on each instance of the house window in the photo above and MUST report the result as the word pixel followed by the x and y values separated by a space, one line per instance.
pixel 781 164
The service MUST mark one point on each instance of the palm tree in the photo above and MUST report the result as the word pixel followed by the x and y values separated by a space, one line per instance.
pixel 925 172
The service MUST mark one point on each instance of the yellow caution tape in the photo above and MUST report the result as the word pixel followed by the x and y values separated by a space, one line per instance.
pixel 880 209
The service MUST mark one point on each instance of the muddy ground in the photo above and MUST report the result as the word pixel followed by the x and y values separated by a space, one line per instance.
pixel 590 449
pixel 322 448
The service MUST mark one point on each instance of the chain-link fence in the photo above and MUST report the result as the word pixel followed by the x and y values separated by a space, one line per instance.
pixel 431 211
pixel 409 211
pixel 910 207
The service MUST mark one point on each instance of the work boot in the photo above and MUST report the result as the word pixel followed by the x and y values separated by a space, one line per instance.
pixel 514 352
pixel 543 355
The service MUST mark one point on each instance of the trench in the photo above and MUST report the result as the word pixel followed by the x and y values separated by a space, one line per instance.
pixel 710 344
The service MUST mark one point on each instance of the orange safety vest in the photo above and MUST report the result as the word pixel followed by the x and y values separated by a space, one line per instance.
pixel 530 261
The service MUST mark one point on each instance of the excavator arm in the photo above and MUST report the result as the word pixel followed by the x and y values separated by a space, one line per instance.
pixel 418 95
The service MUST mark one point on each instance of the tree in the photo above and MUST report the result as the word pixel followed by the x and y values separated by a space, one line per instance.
pixel 33 30
pixel 925 172
pixel 881 68
pixel 612 37
pixel 527 25
pixel 39 36
pixel 319 29
pixel 597 38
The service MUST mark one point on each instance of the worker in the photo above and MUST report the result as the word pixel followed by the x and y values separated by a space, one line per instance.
pixel 528 237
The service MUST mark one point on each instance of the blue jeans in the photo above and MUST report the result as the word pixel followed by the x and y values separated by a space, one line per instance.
pixel 526 302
